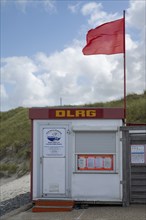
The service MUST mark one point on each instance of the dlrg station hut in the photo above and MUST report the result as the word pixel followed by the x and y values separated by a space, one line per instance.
pixel 76 156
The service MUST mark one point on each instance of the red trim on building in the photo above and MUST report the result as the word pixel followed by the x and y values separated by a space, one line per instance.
pixel 76 113
pixel 31 162
pixel 134 124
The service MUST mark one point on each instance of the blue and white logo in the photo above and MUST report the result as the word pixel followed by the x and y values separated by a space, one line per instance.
pixel 54 135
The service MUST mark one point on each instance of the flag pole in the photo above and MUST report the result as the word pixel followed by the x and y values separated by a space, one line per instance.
pixel 124 49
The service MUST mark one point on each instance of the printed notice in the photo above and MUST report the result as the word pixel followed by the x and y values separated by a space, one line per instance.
pixel 137 154
pixel 90 162
pixel 137 149
pixel 54 142
pixel 95 162
pixel 107 163
pixel 82 162
pixel 137 158
pixel 99 162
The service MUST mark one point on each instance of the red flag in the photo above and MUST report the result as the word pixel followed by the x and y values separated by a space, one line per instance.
pixel 107 39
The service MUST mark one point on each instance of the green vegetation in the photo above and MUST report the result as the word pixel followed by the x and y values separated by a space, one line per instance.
pixel 15 132
pixel 14 141
pixel 136 107
pixel 10 168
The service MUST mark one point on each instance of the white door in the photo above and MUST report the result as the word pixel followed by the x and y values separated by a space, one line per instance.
pixel 54 161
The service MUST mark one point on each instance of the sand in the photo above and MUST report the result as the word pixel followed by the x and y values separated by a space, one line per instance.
pixel 12 187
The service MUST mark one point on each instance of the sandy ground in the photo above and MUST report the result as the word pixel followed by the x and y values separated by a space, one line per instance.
pixel 133 212
pixel 13 187
pixel 9 188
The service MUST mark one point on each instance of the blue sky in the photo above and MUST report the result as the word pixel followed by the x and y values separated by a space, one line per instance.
pixel 31 28
pixel 41 52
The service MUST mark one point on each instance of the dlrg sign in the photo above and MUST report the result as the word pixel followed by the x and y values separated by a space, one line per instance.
pixel 75 113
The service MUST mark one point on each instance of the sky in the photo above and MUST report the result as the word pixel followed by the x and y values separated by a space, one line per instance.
pixel 41 52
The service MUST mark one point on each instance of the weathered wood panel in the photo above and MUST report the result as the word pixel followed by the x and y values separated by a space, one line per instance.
pixel 138 184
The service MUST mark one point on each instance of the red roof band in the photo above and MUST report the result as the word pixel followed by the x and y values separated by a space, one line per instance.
pixel 76 113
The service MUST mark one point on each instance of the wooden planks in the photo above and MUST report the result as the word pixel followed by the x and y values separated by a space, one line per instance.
pixel 138 184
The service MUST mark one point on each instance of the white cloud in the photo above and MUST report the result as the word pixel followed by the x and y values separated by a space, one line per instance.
pixel 41 81
pixel 136 14
pixel 19 71
pixel 96 14
pixel 3 98
pixel 48 5
pixel 130 44
pixel 74 7
pixel 3 92
pixel 91 7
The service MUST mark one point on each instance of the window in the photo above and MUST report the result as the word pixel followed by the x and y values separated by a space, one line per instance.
pixel 95 150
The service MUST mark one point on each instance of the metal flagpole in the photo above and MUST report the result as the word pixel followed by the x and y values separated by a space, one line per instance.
pixel 124 45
